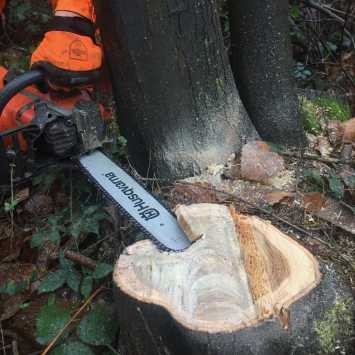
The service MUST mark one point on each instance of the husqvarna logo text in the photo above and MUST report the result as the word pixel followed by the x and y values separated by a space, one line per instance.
pixel 145 211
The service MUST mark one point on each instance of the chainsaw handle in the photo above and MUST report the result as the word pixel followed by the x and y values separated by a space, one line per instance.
pixel 18 84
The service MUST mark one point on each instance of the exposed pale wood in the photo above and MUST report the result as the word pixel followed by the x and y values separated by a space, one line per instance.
pixel 241 271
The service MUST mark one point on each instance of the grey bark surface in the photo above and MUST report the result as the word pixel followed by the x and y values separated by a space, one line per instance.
pixel 148 329
pixel 177 102
pixel 262 63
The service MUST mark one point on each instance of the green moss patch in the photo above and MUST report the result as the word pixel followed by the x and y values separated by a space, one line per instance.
pixel 336 330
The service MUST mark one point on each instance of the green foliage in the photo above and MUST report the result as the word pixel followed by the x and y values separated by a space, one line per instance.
pixel 309 115
pixel 333 109
pixel 87 221
pixel 336 186
pixel 294 11
pixel 50 231
pixel 336 330
pixel 12 288
pixel 331 183
pixel 86 286
pixel 97 327
pixel 301 72
pixel 322 109
pixel 314 180
pixel 33 19
pixel 10 206
pixel 51 319
pixel 46 180
pixel 53 281
pixel 72 348
pixel 119 145
pixel 66 274
pixel 102 270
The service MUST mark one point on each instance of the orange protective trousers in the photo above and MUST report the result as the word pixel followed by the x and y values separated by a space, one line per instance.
pixel 83 8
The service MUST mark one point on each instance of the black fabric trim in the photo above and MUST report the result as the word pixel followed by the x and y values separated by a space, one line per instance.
pixel 66 78
pixel 79 25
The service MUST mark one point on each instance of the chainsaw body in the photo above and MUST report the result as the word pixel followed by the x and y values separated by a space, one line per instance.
pixel 38 130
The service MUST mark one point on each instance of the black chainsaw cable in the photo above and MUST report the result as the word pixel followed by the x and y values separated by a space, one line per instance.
pixel 18 84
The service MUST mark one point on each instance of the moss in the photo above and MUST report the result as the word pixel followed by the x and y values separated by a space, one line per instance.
pixel 321 110
pixel 333 109
pixel 336 330
pixel 309 116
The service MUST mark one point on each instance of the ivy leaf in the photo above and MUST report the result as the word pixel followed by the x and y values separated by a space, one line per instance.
pixel 54 235
pixel 349 181
pixel 73 348
pixel 37 239
pixel 102 270
pixel 65 263
pixel 10 206
pixel 314 177
pixel 97 327
pixel 336 186
pixel 12 288
pixel 73 280
pixel 53 281
pixel 51 319
pixel 86 286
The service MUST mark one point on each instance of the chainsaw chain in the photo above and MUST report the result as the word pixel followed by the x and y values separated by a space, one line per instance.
pixel 121 210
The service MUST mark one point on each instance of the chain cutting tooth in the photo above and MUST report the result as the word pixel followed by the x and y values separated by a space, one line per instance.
pixel 123 212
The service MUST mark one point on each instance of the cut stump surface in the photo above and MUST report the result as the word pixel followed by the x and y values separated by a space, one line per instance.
pixel 240 273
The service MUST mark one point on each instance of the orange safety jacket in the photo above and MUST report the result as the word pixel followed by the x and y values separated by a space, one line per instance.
pixel 83 8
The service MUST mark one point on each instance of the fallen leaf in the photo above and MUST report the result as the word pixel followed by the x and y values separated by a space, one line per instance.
pixel 22 195
pixel 335 131
pixel 184 194
pixel 17 274
pixel 313 201
pixel 340 216
pixel 276 197
pixel 349 131
pixel 323 147
pixel 259 163
pixel 348 177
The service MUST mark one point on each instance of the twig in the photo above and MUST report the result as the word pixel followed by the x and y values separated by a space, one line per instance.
pixel 15 348
pixel 330 13
pixel 2 339
pixel 346 22
pixel 250 204
pixel 113 350
pixel 80 259
pixel 77 313
pixel 308 156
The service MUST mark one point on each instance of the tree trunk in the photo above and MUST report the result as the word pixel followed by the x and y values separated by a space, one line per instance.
pixel 177 102
pixel 262 63
pixel 243 288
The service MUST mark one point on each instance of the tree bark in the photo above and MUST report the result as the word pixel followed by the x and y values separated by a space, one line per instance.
pixel 243 288
pixel 262 64
pixel 177 102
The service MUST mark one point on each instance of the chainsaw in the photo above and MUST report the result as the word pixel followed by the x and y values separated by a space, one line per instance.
pixel 38 130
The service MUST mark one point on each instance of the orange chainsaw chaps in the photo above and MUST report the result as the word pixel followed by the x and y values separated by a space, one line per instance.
pixel 68 51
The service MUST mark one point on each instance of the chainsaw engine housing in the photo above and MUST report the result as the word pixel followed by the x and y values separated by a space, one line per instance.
pixel 37 130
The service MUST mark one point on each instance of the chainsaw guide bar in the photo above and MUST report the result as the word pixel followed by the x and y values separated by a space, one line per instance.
pixel 155 221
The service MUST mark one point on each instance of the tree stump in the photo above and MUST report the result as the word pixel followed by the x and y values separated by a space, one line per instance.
pixel 243 287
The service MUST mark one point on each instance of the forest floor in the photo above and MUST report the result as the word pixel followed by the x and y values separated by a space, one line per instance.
pixel 58 236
